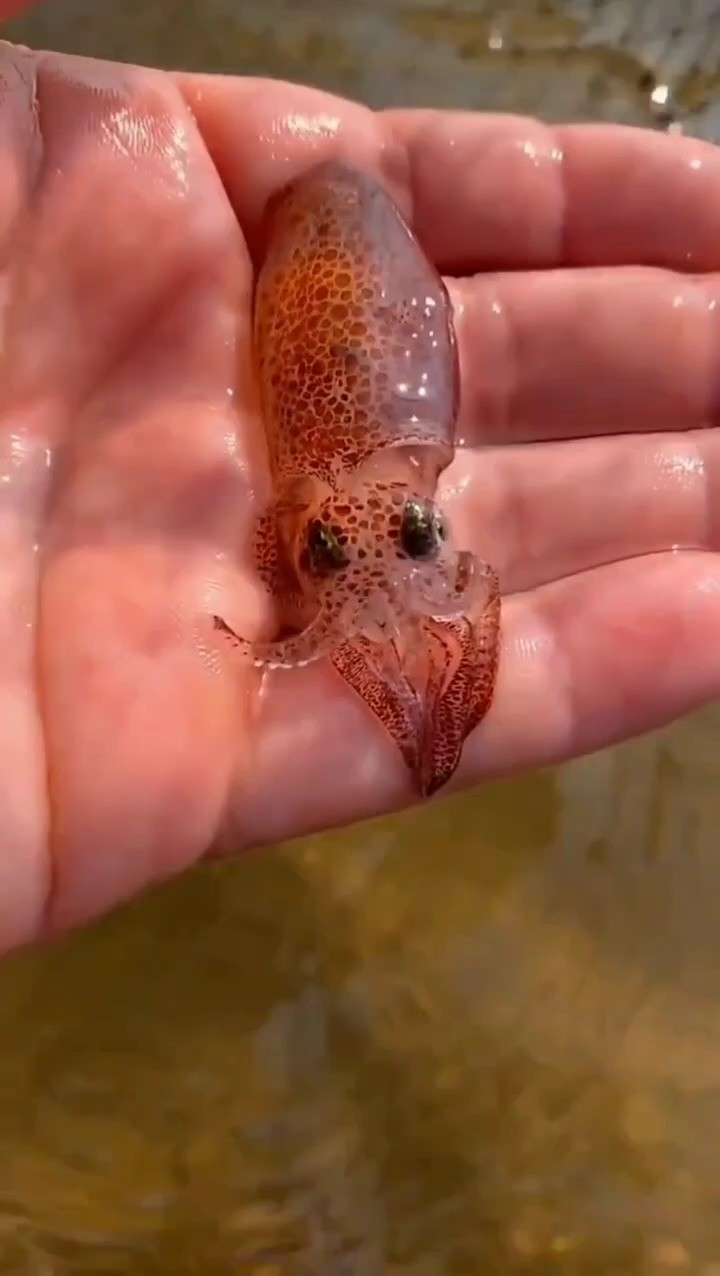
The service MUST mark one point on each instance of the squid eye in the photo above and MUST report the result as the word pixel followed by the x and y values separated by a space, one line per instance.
pixel 422 530
pixel 326 552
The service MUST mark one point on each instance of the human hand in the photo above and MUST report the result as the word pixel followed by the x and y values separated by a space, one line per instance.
pixel 132 451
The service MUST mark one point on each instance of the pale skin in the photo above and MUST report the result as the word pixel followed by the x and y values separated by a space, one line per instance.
pixel 583 264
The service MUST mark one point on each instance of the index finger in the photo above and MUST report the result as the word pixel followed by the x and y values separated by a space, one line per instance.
pixel 484 192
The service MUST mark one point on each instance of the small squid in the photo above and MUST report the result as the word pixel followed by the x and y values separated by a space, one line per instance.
pixel 358 375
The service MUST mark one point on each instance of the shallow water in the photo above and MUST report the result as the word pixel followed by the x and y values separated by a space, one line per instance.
pixel 481 1038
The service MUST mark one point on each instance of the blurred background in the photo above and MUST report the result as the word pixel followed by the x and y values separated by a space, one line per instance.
pixel 481 1038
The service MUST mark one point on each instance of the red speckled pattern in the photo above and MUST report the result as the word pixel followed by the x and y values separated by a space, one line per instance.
pixel 356 359
pixel 354 339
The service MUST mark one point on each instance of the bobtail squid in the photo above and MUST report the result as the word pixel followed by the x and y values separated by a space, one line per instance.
pixel 358 376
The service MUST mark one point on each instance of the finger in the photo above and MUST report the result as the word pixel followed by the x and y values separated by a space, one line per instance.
pixel 601 657
pixel 549 510
pixel 577 352
pixel 585 662
pixel 502 192
pixel 485 192
pixel 263 133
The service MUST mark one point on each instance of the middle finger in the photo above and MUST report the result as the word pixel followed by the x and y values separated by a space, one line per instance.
pixel 563 353
pixel 546 510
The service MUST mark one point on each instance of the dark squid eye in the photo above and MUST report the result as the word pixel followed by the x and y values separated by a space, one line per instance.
pixel 326 552
pixel 422 530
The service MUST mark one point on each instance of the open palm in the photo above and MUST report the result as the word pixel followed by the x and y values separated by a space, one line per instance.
pixel 581 263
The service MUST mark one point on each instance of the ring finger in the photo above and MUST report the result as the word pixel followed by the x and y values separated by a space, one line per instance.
pixel 542 511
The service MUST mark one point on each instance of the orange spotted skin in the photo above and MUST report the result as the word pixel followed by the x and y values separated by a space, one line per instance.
pixel 358 376
pixel 353 331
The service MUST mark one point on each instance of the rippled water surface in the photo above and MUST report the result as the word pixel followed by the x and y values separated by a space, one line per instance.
pixel 482 1038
